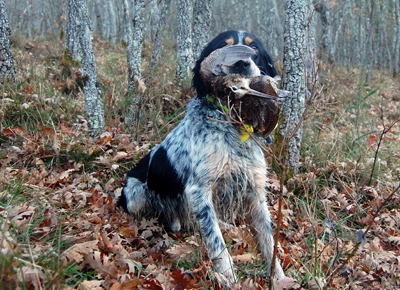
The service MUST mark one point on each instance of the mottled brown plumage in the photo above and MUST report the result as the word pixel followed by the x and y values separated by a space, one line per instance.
pixel 261 113
pixel 254 99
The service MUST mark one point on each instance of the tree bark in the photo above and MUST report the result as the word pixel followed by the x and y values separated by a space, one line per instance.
pixel 326 31
pixel 112 21
pixel 7 70
pixel 274 29
pixel 201 25
pixel 93 102
pixel 184 39
pixel 396 65
pixel 72 43
pixel 293 80
pixel 158 37
pixel 134 39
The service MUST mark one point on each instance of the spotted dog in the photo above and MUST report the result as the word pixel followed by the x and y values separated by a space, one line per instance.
pixel 204 172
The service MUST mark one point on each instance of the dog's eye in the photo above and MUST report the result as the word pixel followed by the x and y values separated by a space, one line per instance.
pixel 234 88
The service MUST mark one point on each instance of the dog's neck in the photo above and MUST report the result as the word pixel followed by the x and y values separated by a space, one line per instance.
pixel 245 130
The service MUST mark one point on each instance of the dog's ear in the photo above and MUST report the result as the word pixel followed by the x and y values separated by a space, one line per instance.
pixel 218 42
pixel 266 64
pixel 197 81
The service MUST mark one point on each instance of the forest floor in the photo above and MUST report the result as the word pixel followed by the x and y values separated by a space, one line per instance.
pixel 60 229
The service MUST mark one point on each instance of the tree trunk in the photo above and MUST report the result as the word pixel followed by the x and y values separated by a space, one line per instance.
pixel 93 102
pixel 158 37
pixel 339 29
pixel 134 51
pixel 72 44
pixel 295 37
pixel 154 18
pixel 97 9
pixel 326 32
pixel 7 70
pixel 396 65
pixel 112 21
pixel 184 39
pixel 201 25
pixel 105 27
pixel 274 29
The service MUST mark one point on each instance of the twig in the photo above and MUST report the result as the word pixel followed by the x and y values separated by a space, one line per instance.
pixel 385 130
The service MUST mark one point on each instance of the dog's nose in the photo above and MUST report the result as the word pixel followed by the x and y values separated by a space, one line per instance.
pixel 241 66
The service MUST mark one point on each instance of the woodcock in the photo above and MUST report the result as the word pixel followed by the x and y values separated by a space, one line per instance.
pixel 255 99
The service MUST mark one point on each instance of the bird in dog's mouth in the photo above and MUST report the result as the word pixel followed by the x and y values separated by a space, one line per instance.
pixel 236 82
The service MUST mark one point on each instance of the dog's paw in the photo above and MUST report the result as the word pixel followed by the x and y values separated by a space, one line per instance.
pixel 175 225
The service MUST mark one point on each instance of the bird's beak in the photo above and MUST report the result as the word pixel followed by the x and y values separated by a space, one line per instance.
pixel 261 95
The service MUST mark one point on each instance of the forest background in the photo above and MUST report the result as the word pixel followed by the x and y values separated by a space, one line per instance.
pixel 59 228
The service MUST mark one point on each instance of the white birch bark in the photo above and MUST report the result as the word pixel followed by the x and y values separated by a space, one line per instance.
pixel 7 69
pixel 185 59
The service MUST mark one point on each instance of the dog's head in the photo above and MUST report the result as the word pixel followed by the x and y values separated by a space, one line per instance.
pixel 261 58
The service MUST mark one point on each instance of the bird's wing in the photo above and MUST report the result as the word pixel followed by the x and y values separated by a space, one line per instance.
pixel 225 56
pixel 231 54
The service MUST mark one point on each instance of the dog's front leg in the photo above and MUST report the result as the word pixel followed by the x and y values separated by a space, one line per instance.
pixel 204 213
pixel 260 221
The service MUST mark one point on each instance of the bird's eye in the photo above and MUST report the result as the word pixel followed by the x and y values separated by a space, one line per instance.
pixel 254 47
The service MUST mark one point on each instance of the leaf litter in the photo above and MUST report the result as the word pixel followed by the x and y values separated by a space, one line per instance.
pixel 58 188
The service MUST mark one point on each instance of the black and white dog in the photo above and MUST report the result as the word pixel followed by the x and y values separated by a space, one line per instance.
pixel 203 171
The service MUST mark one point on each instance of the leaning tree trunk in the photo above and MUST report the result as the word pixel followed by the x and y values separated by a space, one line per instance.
pixel 134 38
pixel 93 102
pixel 201 25
pixel 293 80
pixel 184 39
pixel 7 70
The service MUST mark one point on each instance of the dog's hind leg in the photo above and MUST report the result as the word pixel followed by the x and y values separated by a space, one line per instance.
pixel 205 216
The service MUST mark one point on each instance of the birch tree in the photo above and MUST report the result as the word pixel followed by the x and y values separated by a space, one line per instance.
pixel 7 70
pixel 201 25
pixel 293 80
pixel 93 102
pixel 184 39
